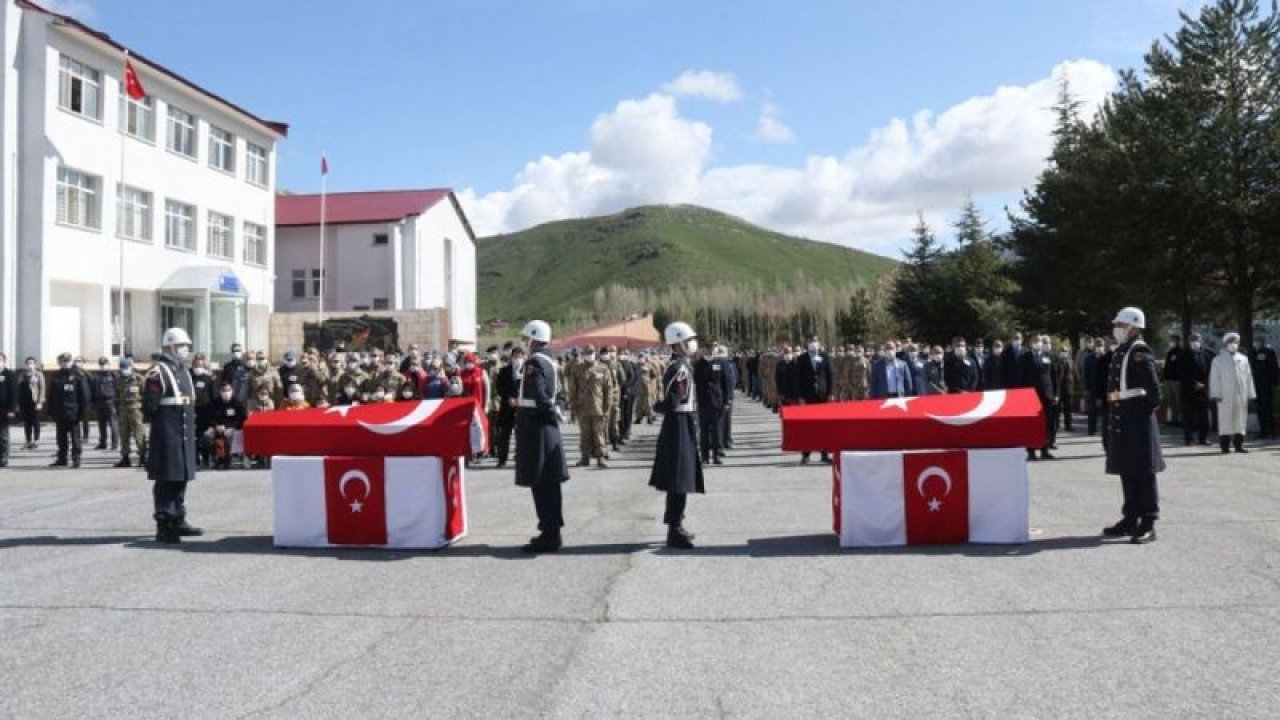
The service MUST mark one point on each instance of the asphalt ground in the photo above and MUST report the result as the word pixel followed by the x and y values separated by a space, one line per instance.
pixel 767 617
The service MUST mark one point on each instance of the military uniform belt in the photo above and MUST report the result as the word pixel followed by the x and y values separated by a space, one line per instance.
pixel 1117 396
pixel 175 401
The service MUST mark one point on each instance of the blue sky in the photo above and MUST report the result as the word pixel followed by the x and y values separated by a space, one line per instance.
pixel 801 115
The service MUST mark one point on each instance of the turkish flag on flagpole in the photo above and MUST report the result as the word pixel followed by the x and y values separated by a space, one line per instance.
pixel 931 498
pixel 132 85
pixel 324 165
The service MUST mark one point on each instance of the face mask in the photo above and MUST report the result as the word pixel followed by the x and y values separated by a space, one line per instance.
pixel 1195 345
pixel 1233 347
pixel 468 366
pixel 295 397
pixel 226 397
pixel 814 348
pixel 65 365
pixel 1035 347
pixel 184 353
pixel 937 358
pixel 126 371
pixel 691 345
pixel 264 398
pixel 353 366
pixel 407 394
pixel 235 354
pixel 31 366
pixel 290 364
pixel 1120 334
pixel 261 363
pixel 379 395
pixel 979 350
pixel 997 350
pixel 517 364
pixel 1099 349
pixel 350 391
pixel 961 352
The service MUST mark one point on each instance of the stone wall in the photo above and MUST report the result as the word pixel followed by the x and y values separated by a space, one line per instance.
pixel 428 328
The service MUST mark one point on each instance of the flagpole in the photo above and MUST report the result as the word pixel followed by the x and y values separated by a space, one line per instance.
pixel 119 319
pixel 324 180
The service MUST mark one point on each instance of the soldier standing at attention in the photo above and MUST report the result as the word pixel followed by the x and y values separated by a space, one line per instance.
pixel 677 469
pixel 104 402
pixel 592 383
pixel 1133 449
pixel 169 404
pixel 69 398
pixel 129 400
pixel 540 463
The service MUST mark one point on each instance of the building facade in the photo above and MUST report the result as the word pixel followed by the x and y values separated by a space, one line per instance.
pixel 170 197
pixel 400 250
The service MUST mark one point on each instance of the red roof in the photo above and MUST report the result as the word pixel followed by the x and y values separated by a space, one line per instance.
pixel 356 207
pixel 278 128
pixel 630 334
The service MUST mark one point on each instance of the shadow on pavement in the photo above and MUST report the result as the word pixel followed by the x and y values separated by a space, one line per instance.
pixel 55 541
pixel 264 545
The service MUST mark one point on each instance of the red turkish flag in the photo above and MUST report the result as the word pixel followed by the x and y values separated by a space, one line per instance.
pixel 935 494
pixel 355 500
pixel 992 419
pixel 132 85
pixel 455 512
pixel 442 428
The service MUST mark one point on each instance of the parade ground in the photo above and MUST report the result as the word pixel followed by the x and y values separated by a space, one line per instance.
pixel 767 617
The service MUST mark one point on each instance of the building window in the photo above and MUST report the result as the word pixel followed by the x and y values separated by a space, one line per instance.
pixel 380 239
pixel 360 308
pixel 317 282
pixel 256 164
pixel 182 132
pixel 133 213
pixel 222 236
pixel 137 117
pixel 299 284
pixel 179 225
pixel 222 149
pixel 78 199
pixel 79 88
pixel 255 244
pixel 380 304
pixel 303 289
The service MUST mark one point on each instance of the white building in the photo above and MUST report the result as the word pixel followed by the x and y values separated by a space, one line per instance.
pixel 400 250
pixel 179 185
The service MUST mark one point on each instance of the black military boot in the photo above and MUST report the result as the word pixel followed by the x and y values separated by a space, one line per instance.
pixel 547 542
pixel 124 462
pixel 1145 532
pixel 185 529
pixel 1126 526
pixel 167 532
pixel 679 538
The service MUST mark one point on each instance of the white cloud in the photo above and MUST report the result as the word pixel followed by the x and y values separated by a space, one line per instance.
pixel 705 84
pixel 771 129
pixel 644 151
pixel 79 9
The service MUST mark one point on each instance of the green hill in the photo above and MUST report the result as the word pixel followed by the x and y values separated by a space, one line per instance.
pixel 547 270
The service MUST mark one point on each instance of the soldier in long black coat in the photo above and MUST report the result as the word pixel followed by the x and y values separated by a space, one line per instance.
pixel 168 403
pixel 1133 450
pixel 1037 371
pixel 813 380
pixel 677 468
pixel 69 398
pixel 540 461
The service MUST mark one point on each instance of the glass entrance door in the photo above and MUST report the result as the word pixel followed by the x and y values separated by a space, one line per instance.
pixel 179 313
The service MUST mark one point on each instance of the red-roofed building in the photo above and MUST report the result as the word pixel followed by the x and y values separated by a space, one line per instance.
pixel 391 250
pixel 121 216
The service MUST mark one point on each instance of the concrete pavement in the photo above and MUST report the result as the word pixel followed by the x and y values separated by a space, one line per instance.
pixel 766 618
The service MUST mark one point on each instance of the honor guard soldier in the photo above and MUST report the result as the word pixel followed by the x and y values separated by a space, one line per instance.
pixel 1133 448
pixel 169 405
pixel 677 469
pixel 540 461
pixel 104 404
pixel 69 398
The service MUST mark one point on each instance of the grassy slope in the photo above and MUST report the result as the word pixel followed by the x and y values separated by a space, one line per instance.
pixel 548 269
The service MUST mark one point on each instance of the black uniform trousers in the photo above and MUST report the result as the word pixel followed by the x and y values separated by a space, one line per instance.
pixel 676 502
pixel 1266 412
pixel 1065 409
pixel 4 438
pixel 170 500
pixel 628 412
pixel 548 503
pixel 1092 412
pixel 710 431
pixel 1140 497
pixel 1195 417
pixel 108 424
pixel 726 426
pixel 502 436
pixel 68 434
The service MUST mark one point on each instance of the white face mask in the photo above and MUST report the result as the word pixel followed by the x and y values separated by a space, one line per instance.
pixel 184 352
pixel 379 395
pixel 1195 345
pixel 961 352
pixel 691 345
pixel 226 397
pixel 1120 334
pixel 1036 347
pixel 264 398
pixel 295 396
pixel 814 348
pixel 350 391
pixel 1233 347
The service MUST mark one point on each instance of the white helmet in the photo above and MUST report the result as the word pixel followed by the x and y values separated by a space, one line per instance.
pixel 1131 316
pixel 174 337
pixel 537 331
pixel 678 332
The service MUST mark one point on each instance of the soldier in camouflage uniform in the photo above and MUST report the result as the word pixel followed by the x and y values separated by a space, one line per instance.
pixel 859 374
pixel 262 374
pixel 618 377
pixel 129 393
pixel 593 383
pixel 644 402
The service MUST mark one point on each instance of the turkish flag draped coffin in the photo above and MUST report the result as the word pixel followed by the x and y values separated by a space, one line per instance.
pixel 394 502
pixel 453 427
pixel 937 497
pixel 992 419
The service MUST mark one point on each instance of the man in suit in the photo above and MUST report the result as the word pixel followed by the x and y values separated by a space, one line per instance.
pixel 888 375
pixel 813 380
pixel 1091 368
pixel 961 372
pixel 1193 385
pixel 1169 375
pixel 980 361
pixel 1037 371
pixel 918 375
pixel 714 392
pixel 1013 354
pixel 1266 375
pixel 993 369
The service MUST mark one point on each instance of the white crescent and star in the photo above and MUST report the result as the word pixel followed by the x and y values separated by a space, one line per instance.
pixel 340 409
pixel 989 405
pixel 348 476
pixel 421 412
pixel 898 402
pixel 931 472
